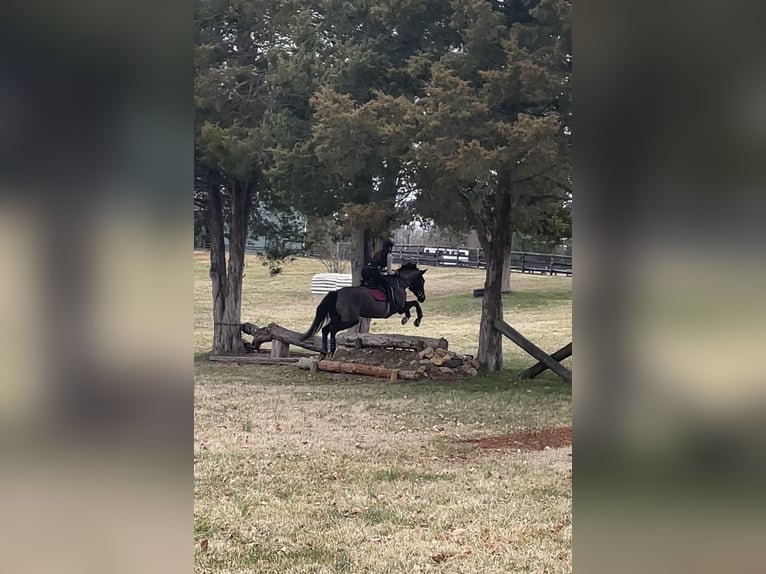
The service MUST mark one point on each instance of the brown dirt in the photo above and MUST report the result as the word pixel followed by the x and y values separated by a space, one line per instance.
pixel 389 358
pixel 392 359
pixel 526 441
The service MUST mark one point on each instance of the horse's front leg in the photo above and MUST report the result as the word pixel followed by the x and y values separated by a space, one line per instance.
pixel 409 305
pixel 419 311
pixel 406 311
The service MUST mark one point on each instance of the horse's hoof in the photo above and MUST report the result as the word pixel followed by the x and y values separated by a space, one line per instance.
pixel 417 322
pixel 404 320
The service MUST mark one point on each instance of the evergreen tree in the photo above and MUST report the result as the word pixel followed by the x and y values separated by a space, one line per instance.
pixel 331 148
pixel 232 44
pixel 489 130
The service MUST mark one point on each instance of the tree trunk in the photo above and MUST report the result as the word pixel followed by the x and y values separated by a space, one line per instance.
pixel 490 355
pixel 217 265
pixel 227 282
pixel 506 287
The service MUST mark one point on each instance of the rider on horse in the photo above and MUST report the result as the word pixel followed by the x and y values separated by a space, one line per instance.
pixel 373 273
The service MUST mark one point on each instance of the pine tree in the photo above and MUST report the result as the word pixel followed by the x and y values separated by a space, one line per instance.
pixel 332 152
pixel 232 44
pixel 490 132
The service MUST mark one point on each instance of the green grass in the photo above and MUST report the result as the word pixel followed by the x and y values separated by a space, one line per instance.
pixel 464 305
pixel 297 473
pixel 395 474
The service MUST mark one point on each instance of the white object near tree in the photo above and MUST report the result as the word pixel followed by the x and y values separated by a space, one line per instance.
pixel 322 283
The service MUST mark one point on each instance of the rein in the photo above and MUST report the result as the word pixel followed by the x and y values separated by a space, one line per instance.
pixel 399 280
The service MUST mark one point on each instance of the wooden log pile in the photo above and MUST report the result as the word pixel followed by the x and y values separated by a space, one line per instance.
pixel 434 363
pixel 435 359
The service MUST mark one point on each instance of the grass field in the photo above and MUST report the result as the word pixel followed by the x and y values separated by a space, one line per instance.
pixel 540 306
pixel 319 474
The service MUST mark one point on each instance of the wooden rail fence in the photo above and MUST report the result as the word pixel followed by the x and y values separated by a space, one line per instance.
pixel 521 261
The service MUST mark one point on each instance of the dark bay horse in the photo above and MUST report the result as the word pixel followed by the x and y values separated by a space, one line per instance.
pixel 343 308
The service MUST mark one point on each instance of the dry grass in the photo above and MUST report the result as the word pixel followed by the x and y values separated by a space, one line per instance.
pixel 540 306
pixel 301 474
pixel 295 474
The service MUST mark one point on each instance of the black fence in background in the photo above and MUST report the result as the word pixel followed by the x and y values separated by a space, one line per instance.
pixel 521 261
pixel 542 263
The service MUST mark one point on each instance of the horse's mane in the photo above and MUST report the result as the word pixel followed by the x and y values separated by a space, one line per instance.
pixel 409 266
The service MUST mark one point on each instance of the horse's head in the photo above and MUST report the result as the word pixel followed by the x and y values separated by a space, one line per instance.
pixel 413 277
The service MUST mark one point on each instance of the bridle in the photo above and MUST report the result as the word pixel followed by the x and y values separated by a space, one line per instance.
pixel 408 285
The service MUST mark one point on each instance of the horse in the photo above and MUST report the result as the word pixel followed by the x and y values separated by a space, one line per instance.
pixel 342 309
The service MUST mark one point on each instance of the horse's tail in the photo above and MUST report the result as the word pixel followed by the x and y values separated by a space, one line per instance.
pixel 323 313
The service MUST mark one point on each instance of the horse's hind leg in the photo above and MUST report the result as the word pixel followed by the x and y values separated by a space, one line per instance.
pixel 325 333
pixel 334 331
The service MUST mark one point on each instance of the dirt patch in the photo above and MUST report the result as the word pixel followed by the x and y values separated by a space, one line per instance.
pixel 445 370
pixel 526 441
pixel 389 358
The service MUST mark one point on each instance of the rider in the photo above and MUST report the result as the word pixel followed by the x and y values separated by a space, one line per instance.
pixel 379 265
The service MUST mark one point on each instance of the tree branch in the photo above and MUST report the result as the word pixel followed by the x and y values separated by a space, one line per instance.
pixel 562 185
pixel 476 222
pixel 529 178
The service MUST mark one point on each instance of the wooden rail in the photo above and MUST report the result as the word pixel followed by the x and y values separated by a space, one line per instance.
pixel 534 350
pixel 522 261
pixel 538 368
pixel 542 263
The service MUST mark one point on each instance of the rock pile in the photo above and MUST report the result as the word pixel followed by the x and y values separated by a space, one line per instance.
pixel 443 362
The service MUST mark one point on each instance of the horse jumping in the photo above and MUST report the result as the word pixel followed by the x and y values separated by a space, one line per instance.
pixel 342 309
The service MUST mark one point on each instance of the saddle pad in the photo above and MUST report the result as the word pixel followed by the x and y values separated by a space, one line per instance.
pixel 377 294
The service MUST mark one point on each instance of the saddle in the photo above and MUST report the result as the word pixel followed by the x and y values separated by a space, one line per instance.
pixel 380 295
pixel 376 292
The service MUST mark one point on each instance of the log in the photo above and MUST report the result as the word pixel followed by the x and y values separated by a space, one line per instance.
pixel 273 331
pixel 395 341
pixel 352 368
pixel 533 350
pixel 254 359
pixel 537 368
pixel 392 341
pixel 313 365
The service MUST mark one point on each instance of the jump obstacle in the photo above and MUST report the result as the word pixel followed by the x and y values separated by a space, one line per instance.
pixel 281 338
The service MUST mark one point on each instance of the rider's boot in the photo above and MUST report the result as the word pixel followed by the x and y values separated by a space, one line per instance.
pixel 390 295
